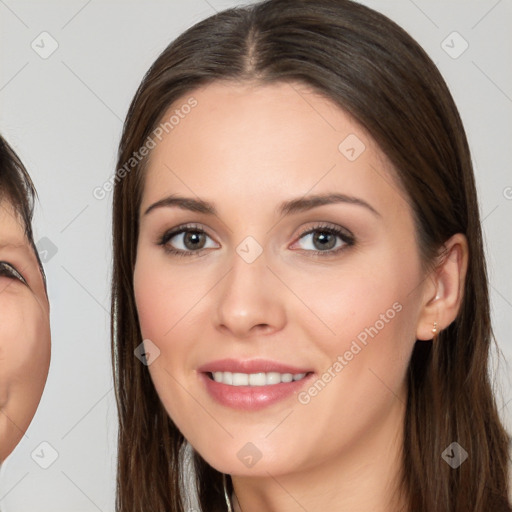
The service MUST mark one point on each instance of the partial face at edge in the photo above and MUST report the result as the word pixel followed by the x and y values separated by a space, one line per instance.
pixel 246 150
pixel 24 331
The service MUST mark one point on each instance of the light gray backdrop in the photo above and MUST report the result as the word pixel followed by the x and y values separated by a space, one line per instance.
pixel 63 113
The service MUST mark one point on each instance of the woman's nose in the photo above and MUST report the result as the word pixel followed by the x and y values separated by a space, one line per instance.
pixel 251 299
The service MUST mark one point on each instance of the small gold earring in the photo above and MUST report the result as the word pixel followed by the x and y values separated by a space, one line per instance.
pixel 434 329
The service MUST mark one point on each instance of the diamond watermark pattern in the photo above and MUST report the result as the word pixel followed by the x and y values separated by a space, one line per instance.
pixel 249 249
pixel 44 455
pixel 454 45
pixel 351 147
pixel 44 45
pixel 46 249
pixel 454 455
pixel 249 454
pixel 147 352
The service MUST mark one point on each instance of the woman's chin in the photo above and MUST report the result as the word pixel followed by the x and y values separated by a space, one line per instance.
pixel 248 460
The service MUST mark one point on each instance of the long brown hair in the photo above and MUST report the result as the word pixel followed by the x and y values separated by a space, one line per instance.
pixel 376 72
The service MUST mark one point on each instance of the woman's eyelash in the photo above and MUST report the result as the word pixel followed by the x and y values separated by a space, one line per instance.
pixel 168 235
pixel 347 238
pixel 8 270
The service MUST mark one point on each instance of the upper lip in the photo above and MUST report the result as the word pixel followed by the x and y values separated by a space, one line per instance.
pixel 250 366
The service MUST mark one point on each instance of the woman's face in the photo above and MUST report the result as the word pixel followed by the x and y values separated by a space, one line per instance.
pixel 24 331
pixel 328 291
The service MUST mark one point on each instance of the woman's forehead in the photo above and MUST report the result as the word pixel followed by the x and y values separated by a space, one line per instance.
pixel 12 228
pixel 290 143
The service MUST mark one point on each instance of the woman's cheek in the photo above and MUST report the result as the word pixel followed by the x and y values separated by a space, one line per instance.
pixel 164 295
pixel 25 355
pixel 146 288
pixel 152 305
pixel 14 342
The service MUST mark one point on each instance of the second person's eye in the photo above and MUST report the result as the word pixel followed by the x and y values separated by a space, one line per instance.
pixel 10 271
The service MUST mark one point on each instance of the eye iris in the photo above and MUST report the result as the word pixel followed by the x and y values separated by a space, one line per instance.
pixel 321 236
pixel 193 236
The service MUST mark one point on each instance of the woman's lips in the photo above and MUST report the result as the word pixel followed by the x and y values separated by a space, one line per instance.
pixel 250 366
pixel 247 397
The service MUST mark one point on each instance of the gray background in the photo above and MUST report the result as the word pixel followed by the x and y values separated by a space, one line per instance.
pixel 63 114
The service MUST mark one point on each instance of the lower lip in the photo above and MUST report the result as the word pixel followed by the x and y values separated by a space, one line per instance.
pixel 252 398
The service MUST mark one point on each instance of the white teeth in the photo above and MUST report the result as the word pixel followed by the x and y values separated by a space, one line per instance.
pixel 273 378
pixel 255 379
pixel 240 379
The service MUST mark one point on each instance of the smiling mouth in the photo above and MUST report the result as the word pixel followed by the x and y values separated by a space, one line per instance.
pixel 255 379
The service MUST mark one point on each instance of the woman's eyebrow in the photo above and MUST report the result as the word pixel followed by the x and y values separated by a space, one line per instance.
pixel 306 203
pixel 286 208
pixel 12 244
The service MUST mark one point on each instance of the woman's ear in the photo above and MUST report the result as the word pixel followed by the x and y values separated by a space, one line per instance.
pixel 444 288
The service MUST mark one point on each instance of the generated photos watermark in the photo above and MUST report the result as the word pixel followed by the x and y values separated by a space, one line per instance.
pixel 164 127
pixel 361 341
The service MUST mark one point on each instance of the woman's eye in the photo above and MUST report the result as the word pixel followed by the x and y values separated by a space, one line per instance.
pixel 185 240
pixel 8 270
pixel 326 240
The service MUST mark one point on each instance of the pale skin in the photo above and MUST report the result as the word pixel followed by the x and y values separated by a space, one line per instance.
pixel 246 149
pixel 24 331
